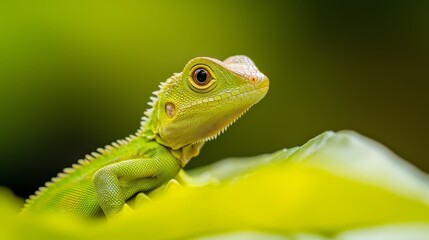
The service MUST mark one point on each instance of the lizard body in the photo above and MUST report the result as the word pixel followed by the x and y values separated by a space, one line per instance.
pixel 190 108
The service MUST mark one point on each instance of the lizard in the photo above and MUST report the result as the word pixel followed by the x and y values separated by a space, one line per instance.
pixel 189 109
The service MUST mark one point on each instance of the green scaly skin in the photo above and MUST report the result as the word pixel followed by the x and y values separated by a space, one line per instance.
pixel 190 108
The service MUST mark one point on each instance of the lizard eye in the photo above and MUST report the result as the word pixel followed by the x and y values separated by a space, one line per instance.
pixel 201 76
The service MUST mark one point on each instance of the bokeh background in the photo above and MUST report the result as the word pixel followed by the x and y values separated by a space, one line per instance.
pixel 76 75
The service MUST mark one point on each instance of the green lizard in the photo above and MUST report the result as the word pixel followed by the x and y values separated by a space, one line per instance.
pixel 190 108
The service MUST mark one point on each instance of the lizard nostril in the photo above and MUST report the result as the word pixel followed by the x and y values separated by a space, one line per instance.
pixel 253 80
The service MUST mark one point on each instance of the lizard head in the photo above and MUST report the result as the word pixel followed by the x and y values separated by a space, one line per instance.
pixel 199 103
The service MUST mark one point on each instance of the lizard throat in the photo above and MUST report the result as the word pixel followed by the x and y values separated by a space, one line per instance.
pixel 255 94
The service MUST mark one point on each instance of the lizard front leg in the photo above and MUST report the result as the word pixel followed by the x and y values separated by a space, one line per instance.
pixel 117 182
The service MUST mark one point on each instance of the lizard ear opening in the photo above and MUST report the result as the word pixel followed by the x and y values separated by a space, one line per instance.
pixel 170 109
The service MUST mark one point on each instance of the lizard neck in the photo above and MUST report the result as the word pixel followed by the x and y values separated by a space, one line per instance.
pixel 183 154
pixel 186 153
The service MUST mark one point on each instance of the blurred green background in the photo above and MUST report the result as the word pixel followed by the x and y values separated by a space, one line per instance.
pixel 76 75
